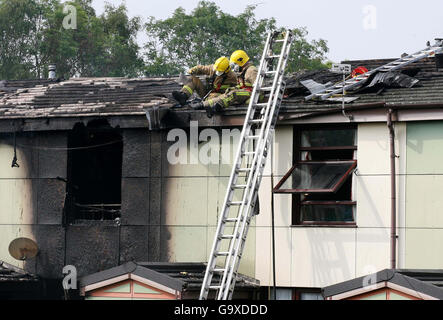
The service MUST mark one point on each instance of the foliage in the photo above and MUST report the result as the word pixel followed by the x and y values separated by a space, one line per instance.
pixel 185 40
pixel 32 36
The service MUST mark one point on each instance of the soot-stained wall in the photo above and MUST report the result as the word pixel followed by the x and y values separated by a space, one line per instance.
pixel 33 201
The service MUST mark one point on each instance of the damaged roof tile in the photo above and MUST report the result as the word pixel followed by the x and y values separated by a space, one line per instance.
pixel 82 97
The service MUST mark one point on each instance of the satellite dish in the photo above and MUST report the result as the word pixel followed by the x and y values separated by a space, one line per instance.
pixel 23 249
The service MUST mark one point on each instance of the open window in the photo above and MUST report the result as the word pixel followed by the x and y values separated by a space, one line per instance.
pixel 321 178
pixel 94 172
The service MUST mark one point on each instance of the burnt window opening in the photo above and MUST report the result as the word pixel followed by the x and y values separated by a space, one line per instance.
pixel 95 159
pixel 320 181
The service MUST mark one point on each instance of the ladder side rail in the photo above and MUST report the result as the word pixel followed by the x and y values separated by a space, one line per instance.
pixel 241 215
pixel 212 259
pixel 423 56
pixel 254 100
pixel 229 269
pixel 265 140
pixel 262 160
pixel 242 245
pixel 259 157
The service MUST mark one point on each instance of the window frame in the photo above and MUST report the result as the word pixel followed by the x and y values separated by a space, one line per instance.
pixel 73 214
pixel 297 203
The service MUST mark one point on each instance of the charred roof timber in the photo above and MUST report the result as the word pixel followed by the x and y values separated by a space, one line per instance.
pixel 439 61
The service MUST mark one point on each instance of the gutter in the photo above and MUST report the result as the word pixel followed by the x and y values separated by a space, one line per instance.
pixel 359 107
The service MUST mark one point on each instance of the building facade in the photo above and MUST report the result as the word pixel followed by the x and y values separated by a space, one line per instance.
pixel 99 184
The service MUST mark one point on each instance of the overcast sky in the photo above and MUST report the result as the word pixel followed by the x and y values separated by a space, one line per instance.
pixel 354 29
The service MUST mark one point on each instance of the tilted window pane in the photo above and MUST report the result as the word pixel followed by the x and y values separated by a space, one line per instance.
pixel 327 213
pixel 318 177
pixel 328 138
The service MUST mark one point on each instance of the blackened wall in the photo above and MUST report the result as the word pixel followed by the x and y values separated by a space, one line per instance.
pixel 36 211
pixel 32 198
pixel 96 246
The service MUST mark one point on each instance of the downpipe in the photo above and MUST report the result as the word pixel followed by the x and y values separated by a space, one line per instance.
pixel 393 191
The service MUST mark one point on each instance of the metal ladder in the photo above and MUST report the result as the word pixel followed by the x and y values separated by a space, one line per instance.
pixel 392 66
pixel 248 169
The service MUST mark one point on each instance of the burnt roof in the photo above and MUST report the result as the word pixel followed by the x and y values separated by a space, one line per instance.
pixel 86 97
pixel 428 91
pixel 83 97
pixel 429 282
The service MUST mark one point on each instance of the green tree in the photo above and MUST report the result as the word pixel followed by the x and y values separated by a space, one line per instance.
pixel 21 22
pixel 207 33
pixel 120 49
pixel 100 46
pixel 32 36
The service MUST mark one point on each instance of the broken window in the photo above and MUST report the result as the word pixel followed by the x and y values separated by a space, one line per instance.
pixel 94 172
pixel 321 178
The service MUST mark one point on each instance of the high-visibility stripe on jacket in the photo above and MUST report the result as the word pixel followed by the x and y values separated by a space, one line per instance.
pixel 188 89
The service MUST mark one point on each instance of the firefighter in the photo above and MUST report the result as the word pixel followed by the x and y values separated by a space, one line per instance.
pixel 241 93
pixel 221 78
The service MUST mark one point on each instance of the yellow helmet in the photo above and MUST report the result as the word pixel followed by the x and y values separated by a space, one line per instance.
pixel 239 57
pixel 222 66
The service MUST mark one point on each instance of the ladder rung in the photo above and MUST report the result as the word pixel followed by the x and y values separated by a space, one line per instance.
pixel 244 170
pixel 236 203
pixel 214 287
pixel 272 72
pixel 253 137
pixel 231 220
pixel 243 186
pixel 227 236
pixel 270 88
pixel 261 105
pixel 219 270
pixel 222 254
pixel 273 56
pixel 256 121
pixel 249 153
